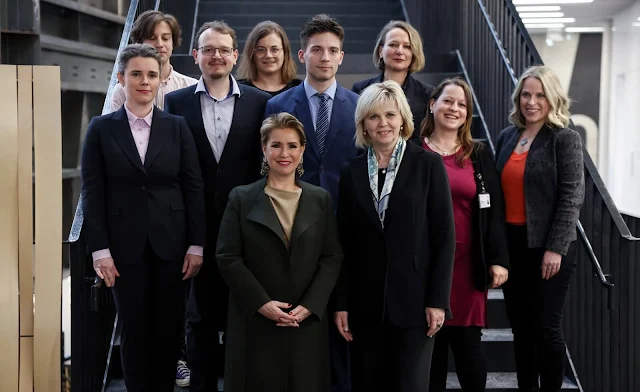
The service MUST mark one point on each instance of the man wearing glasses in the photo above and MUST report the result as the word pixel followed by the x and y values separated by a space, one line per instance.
pixel 225 120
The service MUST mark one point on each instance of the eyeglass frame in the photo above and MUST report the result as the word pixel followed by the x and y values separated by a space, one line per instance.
pixel 216 49
pixel 267 50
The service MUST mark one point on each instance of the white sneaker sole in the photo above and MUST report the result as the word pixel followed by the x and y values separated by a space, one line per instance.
pixel 183 383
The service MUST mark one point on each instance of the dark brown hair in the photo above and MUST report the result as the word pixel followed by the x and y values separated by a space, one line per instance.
pixel 282 120
pixel 219 26
pixel 321 23
pixel 247 68
pixel 147 21
pixel 464 132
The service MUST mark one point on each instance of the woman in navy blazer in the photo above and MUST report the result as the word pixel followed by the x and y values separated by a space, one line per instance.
pixel 143 205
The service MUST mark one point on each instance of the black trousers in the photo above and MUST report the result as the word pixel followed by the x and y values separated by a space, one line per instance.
pixel 534 308
pixel 149 298
pixel 471 364
pixel 206 317
pixel 388 358
pixel 339 355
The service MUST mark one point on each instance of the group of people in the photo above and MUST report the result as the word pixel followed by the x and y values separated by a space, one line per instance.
pixel 334 240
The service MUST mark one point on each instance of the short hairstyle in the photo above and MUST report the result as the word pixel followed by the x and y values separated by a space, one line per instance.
pixel 464 132
pixel 417 58
pixel 247 68
pixel 147 21
pixel 221 27
pixel 137 50
pixel 372 98
pixel 321 23
pixel 281 121
pixel 559 115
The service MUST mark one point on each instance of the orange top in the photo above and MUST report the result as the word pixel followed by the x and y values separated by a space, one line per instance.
pixel 513 188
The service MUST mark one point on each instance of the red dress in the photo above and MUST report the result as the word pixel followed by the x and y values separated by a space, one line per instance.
pixel 468 305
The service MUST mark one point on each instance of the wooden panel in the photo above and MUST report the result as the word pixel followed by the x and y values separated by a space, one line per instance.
pixel 9 310
pixel 48 227
pixel 26 363
pixel 25 198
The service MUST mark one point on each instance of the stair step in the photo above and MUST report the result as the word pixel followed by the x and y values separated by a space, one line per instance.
pixel 306 8
pixel 501 381
pixel 375 21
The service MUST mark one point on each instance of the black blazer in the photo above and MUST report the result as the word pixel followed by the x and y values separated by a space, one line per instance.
pixel 553 184
pixel 489 237
pixel 126 203
pixel 240 160
pixel 417 94
pixel 408 265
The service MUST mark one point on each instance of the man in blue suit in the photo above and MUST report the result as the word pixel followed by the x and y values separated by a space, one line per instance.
pixel 327 112
pixel 324 108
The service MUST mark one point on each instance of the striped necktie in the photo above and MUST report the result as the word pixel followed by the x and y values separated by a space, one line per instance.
pixel 322 121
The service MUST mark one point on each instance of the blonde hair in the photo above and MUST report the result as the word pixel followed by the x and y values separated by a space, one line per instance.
pixel 559 115
pixel 247 68
pixel 375 96
pixel 417 58
pixel 464 132
pixel 282 120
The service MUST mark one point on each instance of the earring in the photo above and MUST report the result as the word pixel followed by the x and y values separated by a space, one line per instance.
pixel 401 127
pixel 431 111
pixel 264 168
pixel 365 132
pixel 300 168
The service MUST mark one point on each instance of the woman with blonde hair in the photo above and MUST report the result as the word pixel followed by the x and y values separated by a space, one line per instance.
pixel 398 54
pixel 397 231
pixel 539 160
pixel 267 63
pixel 481 257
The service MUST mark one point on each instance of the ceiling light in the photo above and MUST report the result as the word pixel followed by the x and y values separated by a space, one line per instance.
pixel 584 29
pixel 535 2
pixel 636 24
pixel 549 20
pixel 549 42
pixel 524 15
pixel 545 26
pixel 540 8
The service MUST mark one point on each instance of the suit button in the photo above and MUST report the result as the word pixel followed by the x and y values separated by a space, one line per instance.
pixel 216 194
pixel 144 188
pixel 321 169
pixel 219 171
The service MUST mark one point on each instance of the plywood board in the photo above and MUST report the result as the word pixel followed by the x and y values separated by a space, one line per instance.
pixel 26 364
pixel 9 300
pixel 48 227
pixel 25 198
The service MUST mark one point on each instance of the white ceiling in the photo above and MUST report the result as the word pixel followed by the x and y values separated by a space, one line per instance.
pixel 591 14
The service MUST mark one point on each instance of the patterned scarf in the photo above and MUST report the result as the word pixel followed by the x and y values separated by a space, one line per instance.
pixel 382 202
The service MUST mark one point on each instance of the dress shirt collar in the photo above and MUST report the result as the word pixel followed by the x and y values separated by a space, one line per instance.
pixel 168 78
pixel 310 91
pixel 132 117
pixel 233 88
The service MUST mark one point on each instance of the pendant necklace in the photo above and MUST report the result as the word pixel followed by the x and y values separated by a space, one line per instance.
pixel 524 141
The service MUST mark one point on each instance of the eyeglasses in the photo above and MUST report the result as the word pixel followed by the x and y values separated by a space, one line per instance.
pixel 211 51
pixel 261 51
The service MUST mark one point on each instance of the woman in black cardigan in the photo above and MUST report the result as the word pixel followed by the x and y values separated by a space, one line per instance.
pixel 540 164
pixel 481 258
pixel 397 54
pixel 397 232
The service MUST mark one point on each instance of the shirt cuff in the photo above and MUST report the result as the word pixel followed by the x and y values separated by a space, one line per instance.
pixel 195 250
pixel 101 254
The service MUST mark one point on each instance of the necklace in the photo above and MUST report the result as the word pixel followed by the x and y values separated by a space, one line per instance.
pixel 442 152
pixel 524 141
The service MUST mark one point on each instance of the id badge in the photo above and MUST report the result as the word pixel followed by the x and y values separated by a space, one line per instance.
pixel 485 200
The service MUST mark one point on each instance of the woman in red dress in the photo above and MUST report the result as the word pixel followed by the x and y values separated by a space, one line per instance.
pixel 481 258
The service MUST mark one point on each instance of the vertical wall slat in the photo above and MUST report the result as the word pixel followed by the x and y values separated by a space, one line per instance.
pixel 9 299
pixel 26 363
pixel 48 227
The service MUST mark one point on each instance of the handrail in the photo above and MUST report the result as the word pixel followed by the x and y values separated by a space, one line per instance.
pixel 405 12
pixel 499 45
pixel 475 99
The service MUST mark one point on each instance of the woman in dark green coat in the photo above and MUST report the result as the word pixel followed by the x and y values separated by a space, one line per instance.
pixel 279 252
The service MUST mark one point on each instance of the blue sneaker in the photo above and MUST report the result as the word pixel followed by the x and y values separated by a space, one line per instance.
pixel 183 375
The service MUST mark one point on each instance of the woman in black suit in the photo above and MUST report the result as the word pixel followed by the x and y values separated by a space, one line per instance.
pixel 143 205
pixel 481 258
pixel 279 252
pixel 396 226
pixel 397 54
pixel 540 163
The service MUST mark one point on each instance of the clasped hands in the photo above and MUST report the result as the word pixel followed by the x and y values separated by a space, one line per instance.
pixel 273 311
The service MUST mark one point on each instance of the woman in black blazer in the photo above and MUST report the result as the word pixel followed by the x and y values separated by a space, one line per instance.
pixel 481 258
pixel 397 232
pixel 541 167
pixel 279 252
pixel 143 203
pixel 397 54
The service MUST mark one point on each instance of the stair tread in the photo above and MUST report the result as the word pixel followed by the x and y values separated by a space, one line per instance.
pixel 499 380
pixel 495 293
pixel 497 335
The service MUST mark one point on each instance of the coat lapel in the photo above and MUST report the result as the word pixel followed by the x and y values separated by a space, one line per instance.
pixel 359 173
pixel 158 137
pixel 236 121
pixel 398 193
pixel 194 111
pixel 122 133
pixel 308 213
pixel 263 212
pixel 303 113
pixel 507 149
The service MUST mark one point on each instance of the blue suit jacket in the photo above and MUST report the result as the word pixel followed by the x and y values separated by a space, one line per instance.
pixel 340 143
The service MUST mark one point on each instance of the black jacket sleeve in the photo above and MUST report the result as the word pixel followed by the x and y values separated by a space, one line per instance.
pixel 192 187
